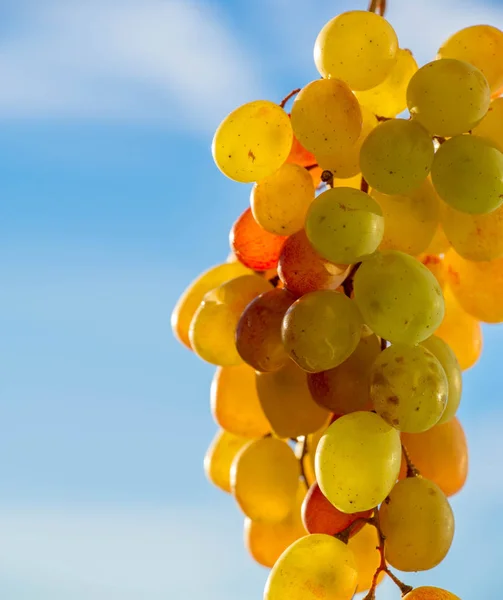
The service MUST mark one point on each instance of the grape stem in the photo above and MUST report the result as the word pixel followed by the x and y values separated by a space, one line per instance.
pixel 412 470
pixel 328 178
pixel 377 6
pixel 303 452
pixel 364 185
pixel 348 282
pixel 286 98
pixel 384 344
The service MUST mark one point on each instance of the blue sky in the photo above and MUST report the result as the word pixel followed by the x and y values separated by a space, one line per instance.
pixel 110 206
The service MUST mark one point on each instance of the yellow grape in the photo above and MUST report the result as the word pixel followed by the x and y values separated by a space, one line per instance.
pixel 358 47
pixel 234 402
pixel 439 244
pixel 279 202
pixel 410 220
pixel 448 97
pixel 357 461
pixel 213 327
pixel 467 173
pixel 430 593
pixel 481 46
pixel 253 141
pixel 388 99
pixel 418 524
pixel 321 329
pixel 353 182
pixel 219 457
pixel 264 479
pixel 308 460
pixel 316 566
pixel 326 116
pixel 396 156
pixel 491 126
pixel 193 296
pixel 287 403
pixel 364 546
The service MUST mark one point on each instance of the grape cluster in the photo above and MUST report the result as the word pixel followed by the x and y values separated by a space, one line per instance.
pixel 350 304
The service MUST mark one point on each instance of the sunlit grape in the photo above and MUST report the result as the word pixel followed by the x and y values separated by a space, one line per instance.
pixel 219 457
pixel 439 244
pixel 307 457
pixel 435 264
pixel 491 126
pixel 430 593
pixel 352 182
pixel 299 155
pixel 364 546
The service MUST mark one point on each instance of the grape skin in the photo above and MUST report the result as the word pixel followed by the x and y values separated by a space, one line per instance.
pixel 430 593
pixel 364 546
pixel 219 457
pixel 491 126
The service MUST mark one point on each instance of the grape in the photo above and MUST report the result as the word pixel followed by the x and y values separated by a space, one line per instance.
pixel 352 182
pixel 345 388
pixel 344 225
pixel 357 461
pixel 279 202
pixel 398 297
pixel 397 156
pixel 448 97
pixel 219 456
pixel 254 247
pixel 477 286
pixel 439 244
pixel 440 454
pixel 467 173
pixel 234 402
pixel 299 155
pixel 321 330
pixel 491 126
pixel 326 116
pixel 307 457
pixel 213 327
pixel 253 141
pixel 364 546
pixel 193 296
pixel 418 525
pixel 258 333
pixel 287 403
pixel 436 266
pixel 481 46
pixel 316 566
pixel 430 593
pixel 410 221
pixel 358 47
pixel 302 270
pixel 450 365
pixel 264 479
pixel 388 99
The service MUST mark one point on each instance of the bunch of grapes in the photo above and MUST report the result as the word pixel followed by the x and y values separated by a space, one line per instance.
pixel 350 305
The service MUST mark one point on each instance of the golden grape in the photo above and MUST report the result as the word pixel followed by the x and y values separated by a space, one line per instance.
pixel 491 126
pixel 219 457
pixel 439 244
pixel 364 546
pixel 430 593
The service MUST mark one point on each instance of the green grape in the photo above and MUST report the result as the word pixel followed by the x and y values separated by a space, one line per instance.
pixel 491 126
pixel 321 329
pixel 389 98
pixel 399 298
pixel 219 457
pixel 446 357
pixel 344 225
pixel 264 479
pixel 326 117
pixel 397 156
pixel 357 461
pixel 448 97
pixel 481 46
pixel 467 173
pixel 409 388
pixel 287 403
pixel 358 47
pixel 253 141
pixel 418 524
pixel 317 566
pixel 410 220
pixel 279 202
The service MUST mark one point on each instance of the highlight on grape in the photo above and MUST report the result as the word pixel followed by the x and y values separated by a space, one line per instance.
pixel 350 304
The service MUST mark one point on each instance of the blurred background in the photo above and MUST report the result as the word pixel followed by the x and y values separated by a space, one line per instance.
pixel 110 206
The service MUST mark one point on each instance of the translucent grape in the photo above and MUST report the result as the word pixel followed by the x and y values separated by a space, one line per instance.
pixel 352 182
pixel 234 402
pixel 430 593
pixel 258 333
pixel 346 388
pixel 441 455
pixel 439 244
pixel 308 455
pixel 253 141
pixel 344 225
pixel 316 566
pixel 264 479
pixel 358 47
pixel 364 546
pixel 481 46
pixel 410 221
pixel 418 524
pixel 446 357
pixel 219 457
pixel 448 97
pixel 279 202
pixel 299 155
pixel 397 156
pixel 326 116
pixel 357 461
pixel 409 387
pixel 321 330
pixel 213 328
pixel 302 270
pixel 491 126
pixel 435 264
pixel 398 297
pixel 388 99
pixel 467 173
pixel 287 403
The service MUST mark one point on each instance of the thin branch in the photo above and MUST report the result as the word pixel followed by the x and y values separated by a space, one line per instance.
pixel 303 453
pixel 311 167
pixel 377 6
pixel 290 95
pixel 364 186
pixel 348 282
pixel 412 470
